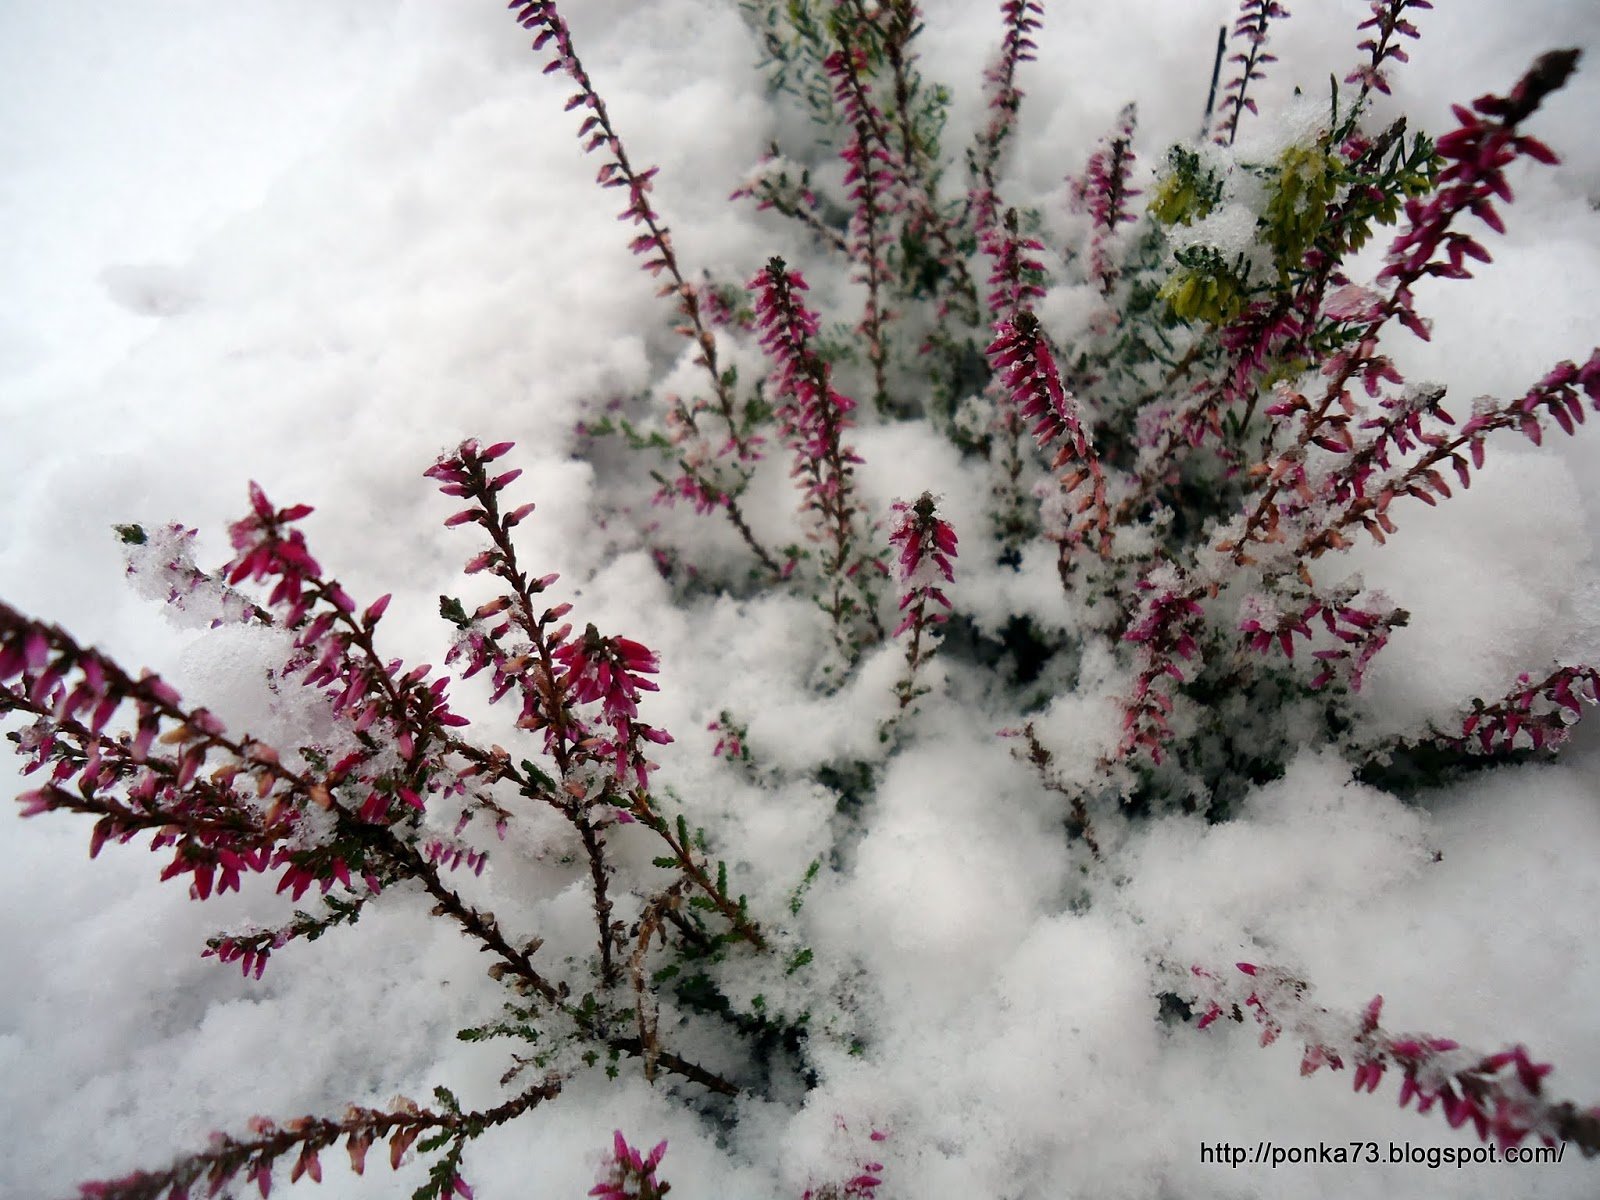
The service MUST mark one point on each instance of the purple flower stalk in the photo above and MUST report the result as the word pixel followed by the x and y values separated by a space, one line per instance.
pixel 1533 716
pixel 871 179
pixel 1362 627
pixel 1165 629
pixel 1476 155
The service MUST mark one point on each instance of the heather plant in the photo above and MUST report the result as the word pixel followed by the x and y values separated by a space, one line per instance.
pixel 1185 469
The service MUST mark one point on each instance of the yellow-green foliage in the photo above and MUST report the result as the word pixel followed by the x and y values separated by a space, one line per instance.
pixel 1186 193
pixel 1178 200
pixel 1307 181
pixel 1204 294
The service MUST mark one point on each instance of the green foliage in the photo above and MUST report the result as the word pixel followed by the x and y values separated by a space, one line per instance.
pixel 795 38
pixel 797 898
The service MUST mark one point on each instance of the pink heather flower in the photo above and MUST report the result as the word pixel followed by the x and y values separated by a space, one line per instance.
pixel 265 548
pixel 1363 628
pixel 1165 629
pixel 1476 155
pixel 813 416
pixel 631 1175
pixel 926 546
pixel 1016 279
pixel 611 672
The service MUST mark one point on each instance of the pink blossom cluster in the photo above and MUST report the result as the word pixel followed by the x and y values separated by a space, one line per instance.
pixel 926 546
pixel 631 1175
pixel 1501 1095
pixel 1017 272
pixel 610 672
pixel 813 416
pixel 863 1185
pixel 730 744
pixel 814 413
pixel 153 782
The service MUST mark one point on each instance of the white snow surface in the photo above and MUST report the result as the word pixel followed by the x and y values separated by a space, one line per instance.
pixel 314 243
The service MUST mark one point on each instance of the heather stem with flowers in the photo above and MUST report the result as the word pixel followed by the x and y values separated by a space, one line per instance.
pixel 926 547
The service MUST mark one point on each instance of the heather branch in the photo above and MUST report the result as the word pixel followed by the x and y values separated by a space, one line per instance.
pixel 254 1158
pixel 1505 1105
pixel 1251 26
pixel 1534 716
pixel 1368 503
pixel 1021 356
pixel 156 701
pixel 869 177
pixel 814 416
pixel 1103 192
pixel 598 132
pixel 267 548
pixel 1476 155
pixel 1022 19
pixel 1388 20
pixel 926 545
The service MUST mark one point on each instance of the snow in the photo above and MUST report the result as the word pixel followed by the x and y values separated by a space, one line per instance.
pixel 314 243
